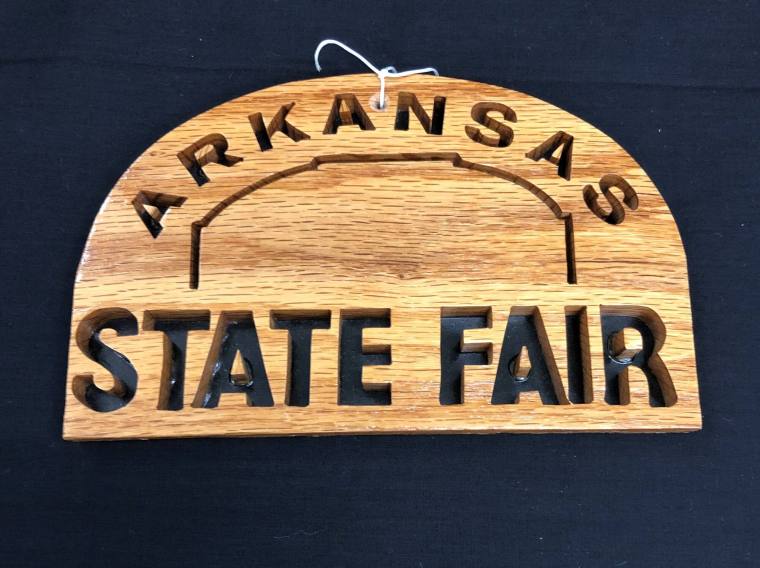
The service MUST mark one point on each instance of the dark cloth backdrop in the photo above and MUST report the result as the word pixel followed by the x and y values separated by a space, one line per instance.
pixel 85 87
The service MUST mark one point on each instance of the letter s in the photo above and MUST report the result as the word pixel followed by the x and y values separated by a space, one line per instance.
pixel 479 114
pixel 124 373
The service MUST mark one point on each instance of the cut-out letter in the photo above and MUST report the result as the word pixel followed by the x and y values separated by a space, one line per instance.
pixel 409 100
pixel 579 384
pixel 479 114
pixel 235 340
pixel 347 110
pixel 151 207
pixel 216 155
pixel 546 150
pixel 525 329
pixel 455 354
pixel 278 123
pixel 124 374
pixel 617 357
pixel 175 326
pixel 617 211
pixel 354 356
pixel 300 326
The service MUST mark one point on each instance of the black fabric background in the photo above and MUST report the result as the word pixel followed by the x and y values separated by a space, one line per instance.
pixel 85 87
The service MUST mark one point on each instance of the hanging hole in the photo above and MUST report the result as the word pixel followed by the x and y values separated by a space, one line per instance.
pixel 374 102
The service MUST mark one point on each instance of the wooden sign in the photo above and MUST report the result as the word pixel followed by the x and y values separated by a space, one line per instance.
pixel 295 261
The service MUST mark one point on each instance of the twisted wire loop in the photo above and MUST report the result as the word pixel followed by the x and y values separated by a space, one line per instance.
pixel 389 71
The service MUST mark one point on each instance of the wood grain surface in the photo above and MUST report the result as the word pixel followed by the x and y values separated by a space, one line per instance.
pixel 374 221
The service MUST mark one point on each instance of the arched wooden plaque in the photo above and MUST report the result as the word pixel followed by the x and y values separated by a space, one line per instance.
pixel 470 259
